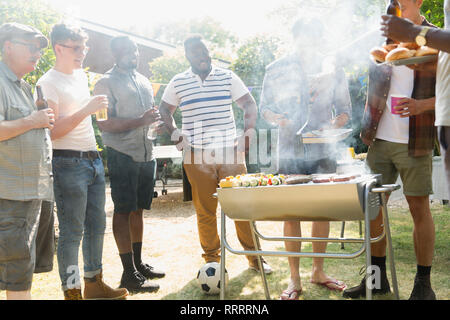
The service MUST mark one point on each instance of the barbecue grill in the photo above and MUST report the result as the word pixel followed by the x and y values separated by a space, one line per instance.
pixel 354 200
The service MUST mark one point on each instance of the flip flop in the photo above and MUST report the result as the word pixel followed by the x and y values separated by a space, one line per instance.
pixel 290 294
pixel 338 285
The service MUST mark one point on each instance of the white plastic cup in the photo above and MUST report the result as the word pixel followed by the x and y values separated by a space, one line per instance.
pixel 152 130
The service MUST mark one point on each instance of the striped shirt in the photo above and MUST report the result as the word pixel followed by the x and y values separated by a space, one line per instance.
pixel 206 107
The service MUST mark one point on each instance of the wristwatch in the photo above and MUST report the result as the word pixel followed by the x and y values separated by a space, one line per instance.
pixel 420 39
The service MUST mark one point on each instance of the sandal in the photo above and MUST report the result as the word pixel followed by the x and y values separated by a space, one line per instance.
pixel 333 285
pixel 290 294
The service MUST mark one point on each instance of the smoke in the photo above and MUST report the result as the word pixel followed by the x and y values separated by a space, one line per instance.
pixel 350 30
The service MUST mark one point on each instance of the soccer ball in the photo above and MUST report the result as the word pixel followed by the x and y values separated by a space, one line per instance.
pixel 208 278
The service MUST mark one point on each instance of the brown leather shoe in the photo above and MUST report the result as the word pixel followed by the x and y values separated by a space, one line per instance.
pixel 73 294
pixel 96 289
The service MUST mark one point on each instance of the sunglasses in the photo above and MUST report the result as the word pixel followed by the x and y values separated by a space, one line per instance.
pixel 31 47
pixel 76 49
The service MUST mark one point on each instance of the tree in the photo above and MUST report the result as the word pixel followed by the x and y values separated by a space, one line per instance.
pixel 250 65
pixel 212 31
pixel 37 14
pixel 433 10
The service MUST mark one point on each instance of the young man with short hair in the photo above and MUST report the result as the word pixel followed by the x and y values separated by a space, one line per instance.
pixel 77 167
pixel 401 144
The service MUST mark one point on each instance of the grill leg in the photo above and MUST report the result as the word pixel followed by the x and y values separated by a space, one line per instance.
pixel 367 239
pixel 389 246
pixel 222 255
pixel 342 233
pixel 260 265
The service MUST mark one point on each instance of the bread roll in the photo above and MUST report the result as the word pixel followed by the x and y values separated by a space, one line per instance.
pixel 409 45
pixel 379 54
pixel 399 53
pixel 426 51
pixel 390 47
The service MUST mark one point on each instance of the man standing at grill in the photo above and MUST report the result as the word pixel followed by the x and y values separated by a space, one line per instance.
pixel 79 175
pixel 25 159
pixel 402 144
pixel 205 94
pixel 131 162
pixel 286 102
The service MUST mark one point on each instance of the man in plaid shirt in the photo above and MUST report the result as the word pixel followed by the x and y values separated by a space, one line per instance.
pixel 401 142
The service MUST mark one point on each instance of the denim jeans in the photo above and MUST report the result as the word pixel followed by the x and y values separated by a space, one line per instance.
pixel 79 186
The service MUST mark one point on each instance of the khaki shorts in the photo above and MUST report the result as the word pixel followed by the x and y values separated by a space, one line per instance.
pixel 391 160
pixel 18 228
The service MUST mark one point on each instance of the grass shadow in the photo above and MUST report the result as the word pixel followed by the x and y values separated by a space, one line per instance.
pixel 234 289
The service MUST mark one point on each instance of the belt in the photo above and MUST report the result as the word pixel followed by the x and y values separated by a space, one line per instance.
pixel 91 155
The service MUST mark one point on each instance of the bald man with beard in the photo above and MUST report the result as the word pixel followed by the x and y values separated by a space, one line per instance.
pixel 131 161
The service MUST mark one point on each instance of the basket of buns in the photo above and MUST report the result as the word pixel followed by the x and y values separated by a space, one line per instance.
pixel 405 53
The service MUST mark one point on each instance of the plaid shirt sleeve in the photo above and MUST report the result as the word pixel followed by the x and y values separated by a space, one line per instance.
pixel 422 132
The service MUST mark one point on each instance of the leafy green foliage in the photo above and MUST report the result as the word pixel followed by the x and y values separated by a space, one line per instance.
pixel 433 10
pixel 211 31
pixel 37 14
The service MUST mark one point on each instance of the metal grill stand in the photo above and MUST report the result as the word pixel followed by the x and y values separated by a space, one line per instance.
pixel 370 202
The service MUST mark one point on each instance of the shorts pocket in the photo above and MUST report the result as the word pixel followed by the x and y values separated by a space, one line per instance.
pixel 14 243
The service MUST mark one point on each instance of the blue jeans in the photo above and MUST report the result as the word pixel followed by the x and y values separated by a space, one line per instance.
pixel 79 186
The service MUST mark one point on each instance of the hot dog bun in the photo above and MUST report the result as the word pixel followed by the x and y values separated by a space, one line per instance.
pixel 390 47
pixel 426 51
pixel 409 45
pixel 400 53
pixel 379 54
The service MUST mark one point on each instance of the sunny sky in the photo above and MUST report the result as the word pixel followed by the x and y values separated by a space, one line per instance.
pixel 244 17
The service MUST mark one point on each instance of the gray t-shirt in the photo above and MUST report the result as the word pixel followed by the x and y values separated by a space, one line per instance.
pixel 129 94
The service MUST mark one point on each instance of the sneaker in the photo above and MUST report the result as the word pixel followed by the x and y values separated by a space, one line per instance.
pixel 73 294
pixel 422 289
pixel 267 268
pixel 360 290
pixel 96 289
pixel 135 283
pixel 149 272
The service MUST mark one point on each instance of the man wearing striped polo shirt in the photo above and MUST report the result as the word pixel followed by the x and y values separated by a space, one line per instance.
pixel 212 151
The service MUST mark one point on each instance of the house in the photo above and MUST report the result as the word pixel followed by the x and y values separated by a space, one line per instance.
pixel 99 58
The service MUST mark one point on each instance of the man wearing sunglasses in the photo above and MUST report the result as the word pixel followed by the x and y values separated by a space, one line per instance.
pixel 77 167
pixel 25 159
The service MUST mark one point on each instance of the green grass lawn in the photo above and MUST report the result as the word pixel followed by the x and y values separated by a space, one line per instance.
pixel 248 284
pixel 171 243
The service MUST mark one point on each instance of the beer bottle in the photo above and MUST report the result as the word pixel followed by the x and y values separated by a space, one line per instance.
pixel 41 103
pixel 393 8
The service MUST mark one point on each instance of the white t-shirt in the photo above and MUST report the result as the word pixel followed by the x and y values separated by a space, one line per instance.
pixel 71 93
pixel 392 127
pixel 206 107
pixel 443 80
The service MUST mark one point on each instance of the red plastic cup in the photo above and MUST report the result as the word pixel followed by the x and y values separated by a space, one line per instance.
pixel 395 98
